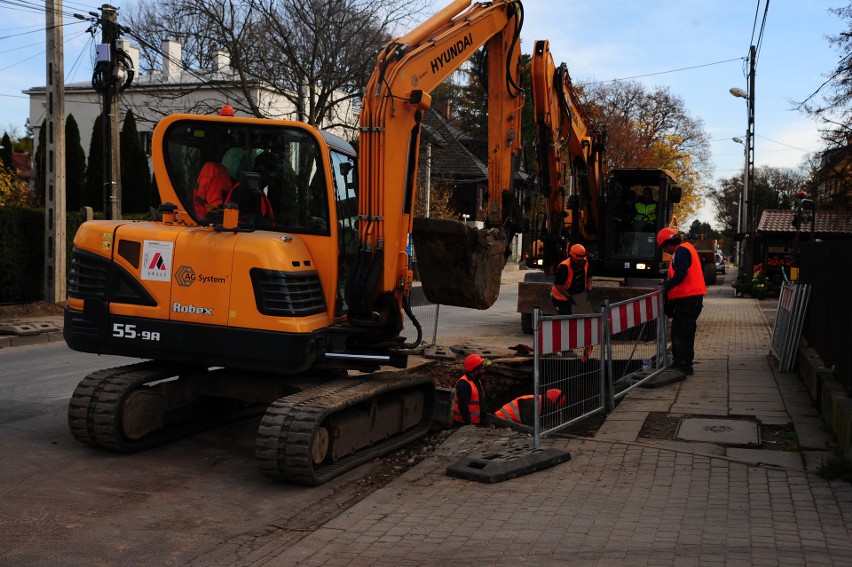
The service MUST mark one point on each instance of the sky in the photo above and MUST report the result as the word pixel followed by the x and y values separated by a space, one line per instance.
pixel 695 48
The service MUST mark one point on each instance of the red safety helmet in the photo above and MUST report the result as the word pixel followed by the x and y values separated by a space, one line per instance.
pixel 473 361
pixel 665 235
pixel 578 252
pixel 556 397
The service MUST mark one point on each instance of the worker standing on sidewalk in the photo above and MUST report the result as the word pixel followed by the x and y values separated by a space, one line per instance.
pixel 684 296
pixel 471 407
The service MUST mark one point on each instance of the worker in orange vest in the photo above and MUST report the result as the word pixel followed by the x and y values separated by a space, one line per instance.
pixel 470 406
pixel 521 409
pixel 684 292
pixel 572 277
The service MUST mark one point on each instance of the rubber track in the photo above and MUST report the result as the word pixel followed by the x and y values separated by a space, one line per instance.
pixel 284 437
pixel 94 412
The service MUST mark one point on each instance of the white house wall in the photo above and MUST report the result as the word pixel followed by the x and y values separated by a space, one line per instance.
pixel 85 105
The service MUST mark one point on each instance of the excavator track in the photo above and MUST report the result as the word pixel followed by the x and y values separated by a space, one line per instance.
pixel 121 409
pixel 300 436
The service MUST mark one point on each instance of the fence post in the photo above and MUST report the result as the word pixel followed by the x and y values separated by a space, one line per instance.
pixel 662 341
pixel 607 376
pixel 536 362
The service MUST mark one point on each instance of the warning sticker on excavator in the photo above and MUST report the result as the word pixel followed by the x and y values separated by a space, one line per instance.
pixel 106 241
pixel 157 260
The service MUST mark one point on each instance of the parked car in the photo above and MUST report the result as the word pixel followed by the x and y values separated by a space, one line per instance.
pixel 720 263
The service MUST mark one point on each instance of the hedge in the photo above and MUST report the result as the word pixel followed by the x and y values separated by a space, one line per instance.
pixel 22 253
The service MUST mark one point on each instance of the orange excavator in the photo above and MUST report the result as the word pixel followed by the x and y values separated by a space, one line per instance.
pixel 585 202
pixel 275 278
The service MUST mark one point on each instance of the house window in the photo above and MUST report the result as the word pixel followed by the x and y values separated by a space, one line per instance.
pixel 145 141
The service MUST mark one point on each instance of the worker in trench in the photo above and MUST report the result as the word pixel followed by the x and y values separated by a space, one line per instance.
pixel 471 406
pixel 522 409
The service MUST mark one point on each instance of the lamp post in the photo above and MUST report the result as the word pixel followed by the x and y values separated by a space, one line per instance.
pixel 740 209
pixel 747 210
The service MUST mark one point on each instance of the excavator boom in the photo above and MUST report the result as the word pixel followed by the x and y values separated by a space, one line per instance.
pixel 565 134
pixel 459 265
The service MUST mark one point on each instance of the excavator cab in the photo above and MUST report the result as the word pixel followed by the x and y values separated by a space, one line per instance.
pixel 639 203
pixel 203 161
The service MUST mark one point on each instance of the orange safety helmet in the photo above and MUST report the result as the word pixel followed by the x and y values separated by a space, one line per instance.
pixel 556 397
pixel 578 252
pixel 665 235
pixel 473 361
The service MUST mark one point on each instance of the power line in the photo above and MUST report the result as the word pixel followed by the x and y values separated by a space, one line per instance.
pixel 666 72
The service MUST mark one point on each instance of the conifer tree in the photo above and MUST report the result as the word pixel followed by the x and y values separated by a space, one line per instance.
pixel 135 175
pixel 94 193
pixel 75 166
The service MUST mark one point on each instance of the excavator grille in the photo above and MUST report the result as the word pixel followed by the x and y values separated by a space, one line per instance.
pixel 284 294
pixel 94 277
pixel 88 275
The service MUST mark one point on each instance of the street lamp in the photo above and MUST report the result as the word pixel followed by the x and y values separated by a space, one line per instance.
pixel 738 92
pixel 746 209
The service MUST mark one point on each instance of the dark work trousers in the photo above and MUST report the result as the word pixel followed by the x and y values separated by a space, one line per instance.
pixel 563 307
pixel 684 313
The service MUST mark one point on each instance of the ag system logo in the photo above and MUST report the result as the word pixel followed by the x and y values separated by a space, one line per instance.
pixel 185 276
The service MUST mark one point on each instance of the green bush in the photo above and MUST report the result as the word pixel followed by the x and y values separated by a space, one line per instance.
pixel 22 253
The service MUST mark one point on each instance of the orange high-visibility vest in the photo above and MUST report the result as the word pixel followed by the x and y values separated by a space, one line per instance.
pixel 693 283
pixel 473 407
pixel 512 411
pixel 558 295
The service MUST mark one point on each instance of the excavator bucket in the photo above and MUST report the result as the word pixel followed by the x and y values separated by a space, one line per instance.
pixel 459 265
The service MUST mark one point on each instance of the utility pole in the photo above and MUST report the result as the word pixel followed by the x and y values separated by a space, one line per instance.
pixel 55 285
pixel 748 191
pixel 106 77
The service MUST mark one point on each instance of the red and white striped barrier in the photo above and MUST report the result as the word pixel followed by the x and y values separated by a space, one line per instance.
pixel 565 334
pixel 634 312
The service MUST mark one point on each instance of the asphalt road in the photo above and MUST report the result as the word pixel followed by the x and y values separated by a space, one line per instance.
pixel 192 502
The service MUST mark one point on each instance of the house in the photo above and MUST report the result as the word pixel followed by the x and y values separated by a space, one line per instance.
pixel 777 238
pixel 833 180
pixel 172 89
pixel 450 159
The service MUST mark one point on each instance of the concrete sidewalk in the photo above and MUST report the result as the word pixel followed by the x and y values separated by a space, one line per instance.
pixel 708 497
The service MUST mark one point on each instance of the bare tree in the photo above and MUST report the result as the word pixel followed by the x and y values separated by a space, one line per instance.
pixel 317 54
pixel 773 188
pixel 831 103
pixel 651 128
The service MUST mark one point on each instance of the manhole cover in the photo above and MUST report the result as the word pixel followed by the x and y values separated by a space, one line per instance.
pixel 722 431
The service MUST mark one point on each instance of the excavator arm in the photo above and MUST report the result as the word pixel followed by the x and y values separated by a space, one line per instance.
pixel 458 265
pixel 565 134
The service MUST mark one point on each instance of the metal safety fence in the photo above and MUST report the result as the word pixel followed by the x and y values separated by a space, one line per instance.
pixel 636 343
pixel 792 306
pixel 595 359
pixel 567 356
